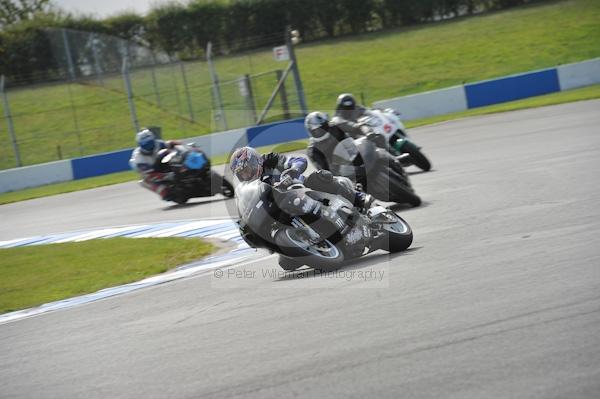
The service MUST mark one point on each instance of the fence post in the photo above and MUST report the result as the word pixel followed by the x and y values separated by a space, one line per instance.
pixel 176 90
pixel 154 83
pixel 295 70
pixel 250 103
pixel 283 94
pixel 216 89
pixel 75 118
pixel 127 81
pixel 96 56
pixel 8 116
pixel 187 90
pixel 68 54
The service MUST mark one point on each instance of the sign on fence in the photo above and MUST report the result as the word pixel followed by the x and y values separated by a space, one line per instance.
pixel 281 53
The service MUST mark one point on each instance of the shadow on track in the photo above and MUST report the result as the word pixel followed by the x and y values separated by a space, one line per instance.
pixel 193 204
pixel 406 207
pixel 419 172
pixel 354 264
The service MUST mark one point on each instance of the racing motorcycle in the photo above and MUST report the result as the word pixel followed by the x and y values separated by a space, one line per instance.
pixel 313 228
pixel 367 162
pixel 191 174
pixel 387 123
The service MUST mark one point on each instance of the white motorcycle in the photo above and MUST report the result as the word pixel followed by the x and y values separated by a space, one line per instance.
pixel 388 124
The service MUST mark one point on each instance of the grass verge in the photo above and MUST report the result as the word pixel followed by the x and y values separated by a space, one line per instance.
pixel 31 276
pixel 586 93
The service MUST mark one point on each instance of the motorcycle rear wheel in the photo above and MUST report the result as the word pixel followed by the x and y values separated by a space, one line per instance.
pixel 400 191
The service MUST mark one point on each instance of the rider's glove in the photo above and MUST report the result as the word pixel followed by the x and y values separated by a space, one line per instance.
pixel 285 180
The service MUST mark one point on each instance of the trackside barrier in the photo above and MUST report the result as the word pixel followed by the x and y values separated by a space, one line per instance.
pixel 35 175
pixel 275 133
pixel 510 88
pixel 580 74
pixel 432 103
pixel 101 164
pixel 495 91
pixel 422 105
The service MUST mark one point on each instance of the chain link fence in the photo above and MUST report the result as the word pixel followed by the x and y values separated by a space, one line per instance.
pixel 104 89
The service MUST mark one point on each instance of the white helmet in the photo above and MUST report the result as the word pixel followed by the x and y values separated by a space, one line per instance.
pixel 317 124
pixel 146 140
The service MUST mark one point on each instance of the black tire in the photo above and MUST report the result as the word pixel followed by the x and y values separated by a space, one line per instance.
pixel 303 256
pixel 398 236
pixel 227 189
pixel 418 158
pixel 180 200
pixel 216 183
pixel 400 193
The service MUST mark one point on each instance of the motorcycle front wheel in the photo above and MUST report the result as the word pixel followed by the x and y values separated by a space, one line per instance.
pixel 323 255
pixel 398 236
pixel 220 185
pixel 227 189
pixel 417 157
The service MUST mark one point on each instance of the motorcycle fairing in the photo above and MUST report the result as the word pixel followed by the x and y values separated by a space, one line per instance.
pixel 195 160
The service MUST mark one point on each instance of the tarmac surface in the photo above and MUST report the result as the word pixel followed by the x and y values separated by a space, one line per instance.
pixel 499 295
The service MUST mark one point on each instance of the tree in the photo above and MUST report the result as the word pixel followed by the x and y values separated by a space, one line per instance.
pixel 13 11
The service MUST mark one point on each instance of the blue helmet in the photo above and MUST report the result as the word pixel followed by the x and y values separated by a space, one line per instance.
pixel 146 140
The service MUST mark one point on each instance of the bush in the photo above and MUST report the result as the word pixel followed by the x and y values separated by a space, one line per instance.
pixel 184 30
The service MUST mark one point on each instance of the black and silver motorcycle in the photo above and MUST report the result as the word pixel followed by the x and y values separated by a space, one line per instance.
pixel 367 162
pixel 317 229
pixel 192 175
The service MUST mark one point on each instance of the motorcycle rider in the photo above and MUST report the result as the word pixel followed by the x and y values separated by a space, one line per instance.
pixel 325 136
pixel 143 160
pixel 282 171
pixel 347 113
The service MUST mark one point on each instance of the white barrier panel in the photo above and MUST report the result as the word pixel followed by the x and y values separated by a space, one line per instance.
pixel 580 74
pixel 35 175
pixel 220 143
pixel 431 103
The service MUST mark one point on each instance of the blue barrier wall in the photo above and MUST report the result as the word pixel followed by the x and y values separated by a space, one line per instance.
pixel 275 133
pixel 424 104
pixel 512 88
pixel 102 164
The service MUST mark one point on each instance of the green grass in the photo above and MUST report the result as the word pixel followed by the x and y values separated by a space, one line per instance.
pixel 378 65
pixel 31 276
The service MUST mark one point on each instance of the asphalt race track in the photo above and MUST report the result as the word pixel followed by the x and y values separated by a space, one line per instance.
pixel 498 297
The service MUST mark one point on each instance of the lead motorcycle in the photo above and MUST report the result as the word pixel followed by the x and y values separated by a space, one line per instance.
pixel 192 174
pixel 387 123
pixel 317 229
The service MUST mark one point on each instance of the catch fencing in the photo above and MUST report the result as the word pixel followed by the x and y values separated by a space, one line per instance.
pixel 102 89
